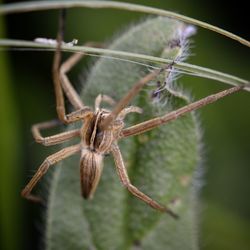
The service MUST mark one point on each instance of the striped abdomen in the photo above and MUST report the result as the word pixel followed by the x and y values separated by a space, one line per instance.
pixel 90 172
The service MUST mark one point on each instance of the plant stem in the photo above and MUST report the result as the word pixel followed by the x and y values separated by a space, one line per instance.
pixel 120 55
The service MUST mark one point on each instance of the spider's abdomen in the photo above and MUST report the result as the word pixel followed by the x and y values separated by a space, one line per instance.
pixel 90 172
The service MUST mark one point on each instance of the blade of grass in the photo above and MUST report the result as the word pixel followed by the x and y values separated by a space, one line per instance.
pixel 45 5
pixel 194 69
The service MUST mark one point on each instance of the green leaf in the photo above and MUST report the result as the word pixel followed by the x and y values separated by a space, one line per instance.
pixel 162 163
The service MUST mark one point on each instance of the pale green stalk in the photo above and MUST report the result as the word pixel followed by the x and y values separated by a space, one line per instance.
pixel 194 69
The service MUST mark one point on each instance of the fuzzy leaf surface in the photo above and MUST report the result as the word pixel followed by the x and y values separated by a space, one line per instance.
pixel 162 162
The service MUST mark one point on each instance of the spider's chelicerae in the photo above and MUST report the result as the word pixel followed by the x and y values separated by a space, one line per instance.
pixel 101 130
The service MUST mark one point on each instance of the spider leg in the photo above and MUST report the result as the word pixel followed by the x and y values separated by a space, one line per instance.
pixel 68 89
pixel 55 139
pixel 122 172
pixel 133 92
pixel 60 106
pixel 49 161
pixel 131 109
pixel 158 121
pixel 128 97
pixel 103 98
pixel 62 84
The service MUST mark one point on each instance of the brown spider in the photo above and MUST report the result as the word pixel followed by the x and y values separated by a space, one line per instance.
pixel 101 129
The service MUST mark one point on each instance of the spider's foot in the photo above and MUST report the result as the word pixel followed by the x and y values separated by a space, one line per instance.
pixel 171 213
pixel 33 198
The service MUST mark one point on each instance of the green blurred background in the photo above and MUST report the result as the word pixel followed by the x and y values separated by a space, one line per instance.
pixel 26 97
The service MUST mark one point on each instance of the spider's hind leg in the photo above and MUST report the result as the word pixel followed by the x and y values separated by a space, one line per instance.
pixel 122 172
pixel 49 161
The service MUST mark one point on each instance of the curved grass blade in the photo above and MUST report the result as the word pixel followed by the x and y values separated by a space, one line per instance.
pixel 45 5
pixel 132 56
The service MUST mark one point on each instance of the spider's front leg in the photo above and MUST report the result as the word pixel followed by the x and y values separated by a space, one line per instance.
pixel 122 172
pixel 62 84
pixel 173 115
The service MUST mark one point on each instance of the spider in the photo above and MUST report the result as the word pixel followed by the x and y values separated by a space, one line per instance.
pixel 101 129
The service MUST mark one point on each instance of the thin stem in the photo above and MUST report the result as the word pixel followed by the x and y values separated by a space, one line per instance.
pixel 44 5
pixel 195 69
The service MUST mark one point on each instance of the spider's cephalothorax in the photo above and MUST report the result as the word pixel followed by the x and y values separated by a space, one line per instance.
pixel 96 138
